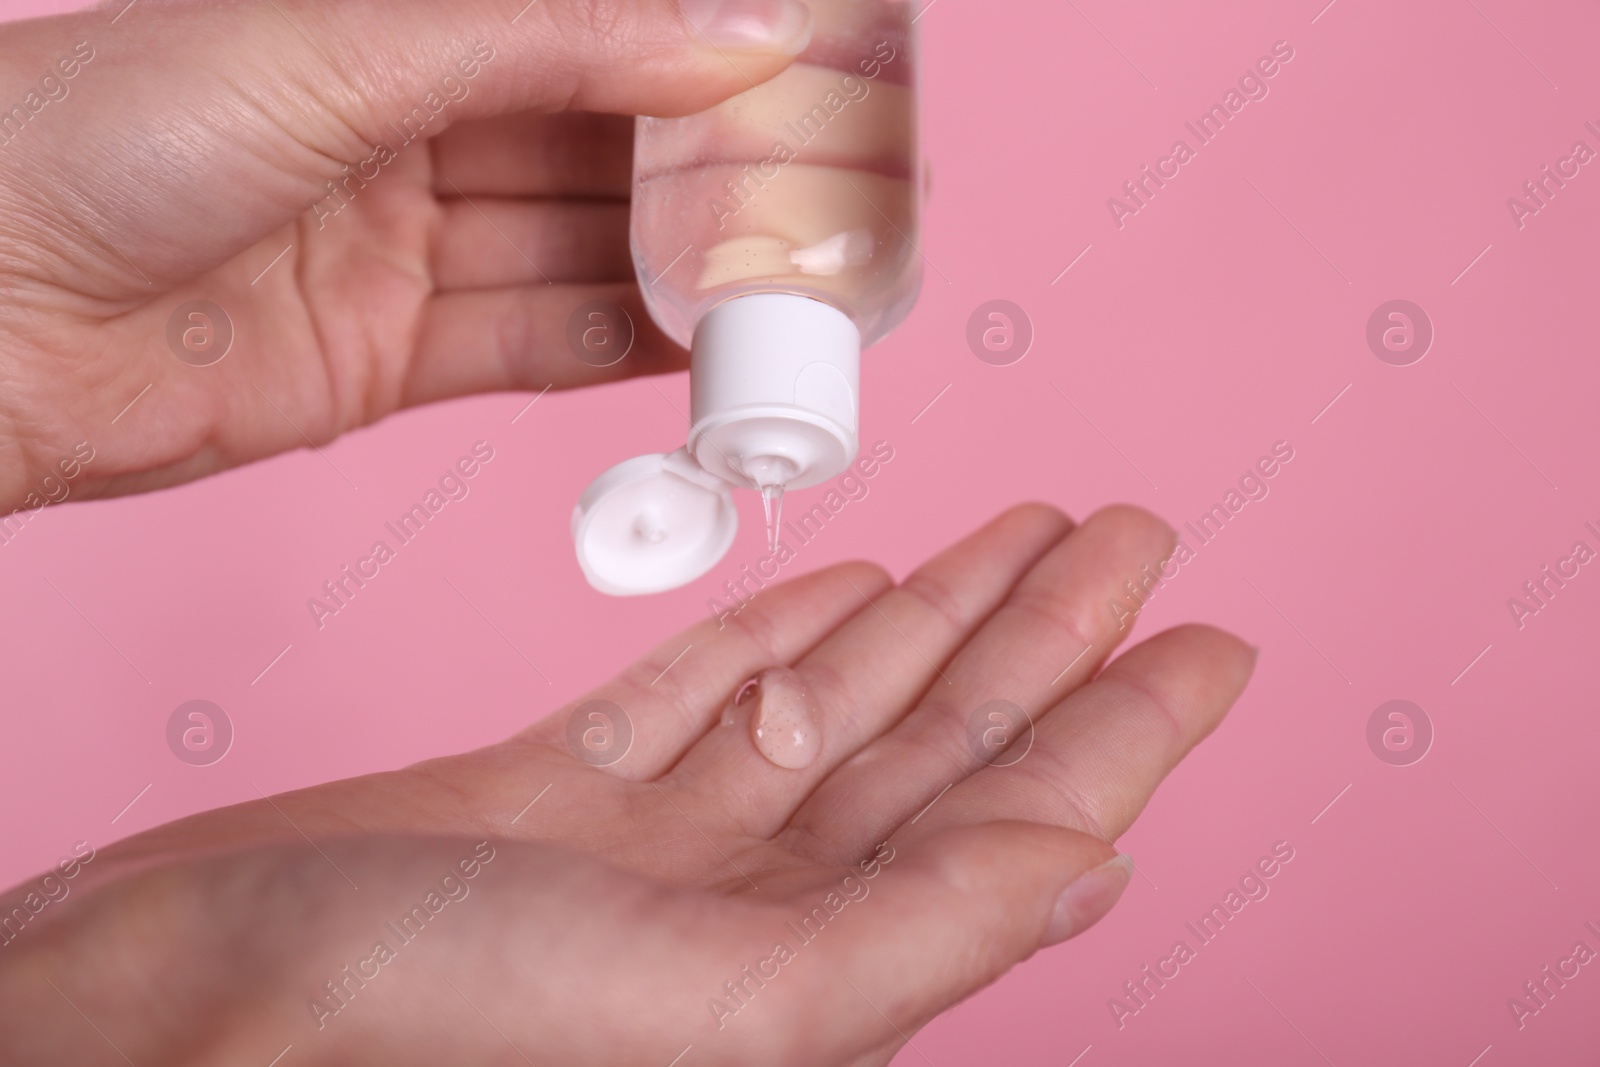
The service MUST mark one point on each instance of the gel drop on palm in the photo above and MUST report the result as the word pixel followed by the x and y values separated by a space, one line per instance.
pixel 774 235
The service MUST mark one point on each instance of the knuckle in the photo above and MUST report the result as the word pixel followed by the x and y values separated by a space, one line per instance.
pixel 936 596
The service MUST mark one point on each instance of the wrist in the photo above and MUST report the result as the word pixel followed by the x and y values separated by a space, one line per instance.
pixel 226 959
pixel 171 965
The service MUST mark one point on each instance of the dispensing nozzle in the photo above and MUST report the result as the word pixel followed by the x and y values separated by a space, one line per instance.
pixel 770 474
pixel 773 406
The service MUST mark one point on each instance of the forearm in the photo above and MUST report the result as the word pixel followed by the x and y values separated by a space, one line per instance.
pixel 360 950
pixel 165 966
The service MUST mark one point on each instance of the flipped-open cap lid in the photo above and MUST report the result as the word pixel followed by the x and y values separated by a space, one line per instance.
pixel 652 523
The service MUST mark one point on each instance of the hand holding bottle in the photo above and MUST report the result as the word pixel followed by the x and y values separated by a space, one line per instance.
pixel 438 202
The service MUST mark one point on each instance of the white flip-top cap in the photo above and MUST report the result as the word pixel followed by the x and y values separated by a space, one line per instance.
pixel 652 523
pixel 774 384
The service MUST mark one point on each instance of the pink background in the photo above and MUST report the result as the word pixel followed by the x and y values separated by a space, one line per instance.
pixel 1212 325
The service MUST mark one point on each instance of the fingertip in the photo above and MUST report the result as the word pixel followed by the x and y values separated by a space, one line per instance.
pixel 1026 884
pixel 1137 522
pixel 1219 644
pixel 1030 528
pixel 775 27
pixel 1206 666
pixel 706 51
pixel 974 859
pixel 1039 514
pixel 1087 899
pixel 654 352
pixel 868 578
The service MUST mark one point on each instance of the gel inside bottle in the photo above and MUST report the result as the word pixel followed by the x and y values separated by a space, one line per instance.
pixel 775 236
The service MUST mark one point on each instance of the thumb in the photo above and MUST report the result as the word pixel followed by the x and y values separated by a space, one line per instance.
pixel 193 131
pixel 655 57
pixel 932 921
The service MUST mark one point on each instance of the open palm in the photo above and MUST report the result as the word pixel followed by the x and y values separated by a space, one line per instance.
pixel 944 854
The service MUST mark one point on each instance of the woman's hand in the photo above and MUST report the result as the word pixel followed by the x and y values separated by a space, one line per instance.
pixel 617 906
pixel 384 202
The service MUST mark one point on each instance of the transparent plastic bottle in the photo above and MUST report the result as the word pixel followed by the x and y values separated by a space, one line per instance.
pixel 805 184
pixel 774 235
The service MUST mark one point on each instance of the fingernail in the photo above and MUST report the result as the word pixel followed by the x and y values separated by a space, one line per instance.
pixel 782 26
pixel 1087 899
